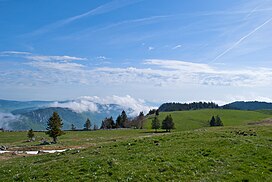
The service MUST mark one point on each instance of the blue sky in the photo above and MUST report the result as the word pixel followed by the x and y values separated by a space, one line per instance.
pixel 156 50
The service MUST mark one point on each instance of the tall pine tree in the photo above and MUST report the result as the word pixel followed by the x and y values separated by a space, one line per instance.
pixel 54 126
pixel 87 124
pixel 168 123
pixel 212 121
pixel 124 118
pixel 218 121
pixel 119 122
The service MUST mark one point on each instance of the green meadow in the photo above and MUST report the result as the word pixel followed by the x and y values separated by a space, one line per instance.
pixel 188 120
pixel 192 152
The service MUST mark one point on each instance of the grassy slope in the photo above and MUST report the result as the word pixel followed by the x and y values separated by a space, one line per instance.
pixel 206 154
pixel 71 139
pixel 203 155
pixel 269 112
pixel 187 120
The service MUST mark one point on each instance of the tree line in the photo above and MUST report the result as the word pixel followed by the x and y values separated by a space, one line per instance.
pixel 167 107
pixel 55 124
pixel 122 121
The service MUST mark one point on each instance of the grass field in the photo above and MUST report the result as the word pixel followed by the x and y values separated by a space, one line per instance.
pixel 225 154
pixel 187 120
pixel 194 152
pixel 71 139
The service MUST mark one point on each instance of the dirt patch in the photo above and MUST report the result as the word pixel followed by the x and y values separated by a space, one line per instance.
pixel 8 156
pixel 5 157
pixel 263 122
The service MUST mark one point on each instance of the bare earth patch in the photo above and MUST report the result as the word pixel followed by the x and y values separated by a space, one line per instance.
pixel 263 122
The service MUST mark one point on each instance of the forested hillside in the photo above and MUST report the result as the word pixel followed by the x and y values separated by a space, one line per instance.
pixel 166 107
pixel 252 105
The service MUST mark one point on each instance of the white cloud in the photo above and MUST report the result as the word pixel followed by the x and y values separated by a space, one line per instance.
pixel 54 58
pixel 102 9
pixel 126 102
pixel 179 65
pixel 157 72
pixel 89 103
pixel 150 48
pixel 14 53
pixel 79 105
pixel 176 47
pixel 8 118
pixel 57 66
pixel 248 97
pixel 101 57
pixel 34 57
pixel 208 75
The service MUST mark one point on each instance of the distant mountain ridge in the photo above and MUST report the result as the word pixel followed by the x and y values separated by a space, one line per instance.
pixel 248 105
pixel 8 105
pixel 238 105
pixel 21 115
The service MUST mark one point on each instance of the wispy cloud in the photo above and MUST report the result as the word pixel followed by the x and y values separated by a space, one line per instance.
pixel 157 72
pixel 105 8
pixel 90 31
pixel 155 75
pixel 150 48
pixel 241 40
pixel 54 58
pixel 35 57
pixel 56 66
pixel 179 65
pixel 208 75
pixel 14 53
pixel 177 47
pixel 228 12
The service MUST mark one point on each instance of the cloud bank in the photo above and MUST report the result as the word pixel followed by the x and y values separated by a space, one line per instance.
pixel 6 119
pixel 71 71
pixel 92 104
pixel 156 72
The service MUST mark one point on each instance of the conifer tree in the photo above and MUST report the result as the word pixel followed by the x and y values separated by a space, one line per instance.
pixel 107 123
pixel 157 112
pixel 87 124
pixel 119 122
pixel 156 124
pixel 218 121
pixel 168 123
pixel 212 121
pixel 30 135
pixel 54 126
pixel 141 119
pixel 124 118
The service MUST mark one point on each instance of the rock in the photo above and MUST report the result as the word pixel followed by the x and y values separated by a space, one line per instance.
pixel 2 147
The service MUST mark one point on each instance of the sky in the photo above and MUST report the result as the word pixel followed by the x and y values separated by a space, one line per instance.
pixel 153 50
